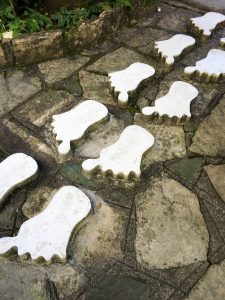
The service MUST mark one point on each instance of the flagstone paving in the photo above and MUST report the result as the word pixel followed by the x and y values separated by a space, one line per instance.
pixel 158 237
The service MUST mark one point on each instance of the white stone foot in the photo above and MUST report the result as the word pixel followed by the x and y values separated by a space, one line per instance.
pixel 207 23
pixel 15 170
pixel 174 104
pixel 172 48
pixel 210 68
pixel 73 124
pixel 124 157
pixel 48 233
pixel 125 81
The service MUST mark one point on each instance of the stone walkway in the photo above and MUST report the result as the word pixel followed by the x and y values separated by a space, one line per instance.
pixel 160 238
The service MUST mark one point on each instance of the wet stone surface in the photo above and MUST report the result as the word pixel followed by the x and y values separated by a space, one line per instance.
pixel 158 237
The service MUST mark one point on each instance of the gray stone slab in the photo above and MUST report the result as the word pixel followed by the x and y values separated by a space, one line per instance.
pixel 209 138
pixel 54 71
pixel 96 87
pixel 23 85
pixel 94 248
pixel 169 142
pixel 19 281
pixel 40 109
pixel 216 175
pixel 116 60
pixel 215 5
pixel 211 285
pixel 171 231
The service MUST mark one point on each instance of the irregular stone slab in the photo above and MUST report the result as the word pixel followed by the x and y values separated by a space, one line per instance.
pixel 188 168
pixel 139 37
pixel 209 138
pixel 211 285
pixel 116 60
pixel 216 175
pixel 23 139
pixel 36 47
pixel 169 142
pixel 23 86
pixel 175 104
pixel 73 124
pixel 22 281
pixel 67 280
pixel 216 5
pixel 206 24
pixel 96 87
pixel 120 288
pixel 54 71
pixel 127 81
pixel 48 233
pixel 93 249
pixel 171 231
pixel 173 18
pixel 211 68
pixel 171 49
pixel 102 137
pixel 40 109
pixel 123 158
pixel 15 171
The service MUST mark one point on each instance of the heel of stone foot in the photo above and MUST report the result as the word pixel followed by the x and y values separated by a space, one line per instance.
pixel 65 151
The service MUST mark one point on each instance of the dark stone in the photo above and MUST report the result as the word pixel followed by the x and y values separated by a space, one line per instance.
pixel 120 288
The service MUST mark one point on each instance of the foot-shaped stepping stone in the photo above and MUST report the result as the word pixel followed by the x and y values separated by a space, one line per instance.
pixel 73 124
pixel 171 49
pixel 123 158
pixel 175 104
pixel 127 81
pixel 48 233
pixel 15 170
pixel 207 23
pixel 211 68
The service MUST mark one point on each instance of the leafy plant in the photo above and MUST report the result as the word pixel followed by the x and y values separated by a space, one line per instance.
pixel 17 16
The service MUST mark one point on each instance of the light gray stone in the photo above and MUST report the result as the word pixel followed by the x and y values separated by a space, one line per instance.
pixel 100 239
pixel 41 108
pixel 138 37
pixel 54 71
pixel 216 5
pixel 23 86
pixel 171 231
pixel 67 281
pixel 96 87
pixel 211 285
pixel 176 20
pixel 169 142
pixel 102 137
pixel 116 60
pixel 216 175
pixel 21 281
pixel 209 138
